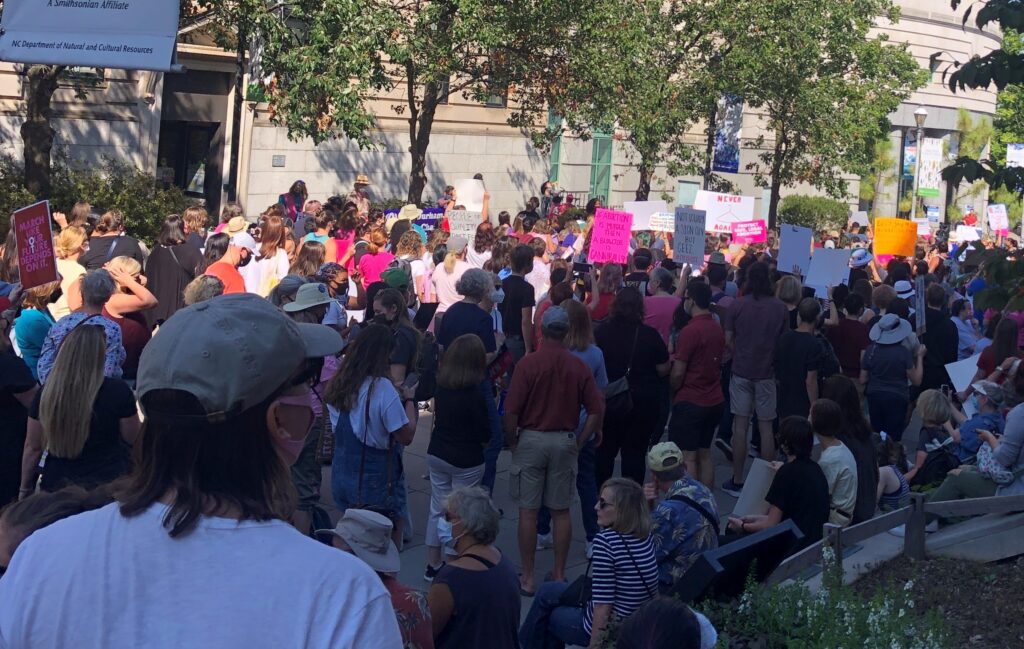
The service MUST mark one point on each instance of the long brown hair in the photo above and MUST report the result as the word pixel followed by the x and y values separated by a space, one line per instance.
pixel 311 256
pixel 463 364
pixel 66 404
pixel 272 236
pixel 581 329
pixel 368 357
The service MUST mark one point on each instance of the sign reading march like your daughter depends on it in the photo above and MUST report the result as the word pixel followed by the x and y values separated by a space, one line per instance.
pixel 609 241
pixel 32 230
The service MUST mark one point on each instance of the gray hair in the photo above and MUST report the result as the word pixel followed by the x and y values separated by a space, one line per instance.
pixel 97 287
pixel 475 284
pixel 203 288
pixel 474 509
pixel 663 278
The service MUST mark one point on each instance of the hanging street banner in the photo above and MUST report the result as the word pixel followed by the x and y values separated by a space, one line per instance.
pixel 931 167
pixel 129 34
pixel 727 134
pixel 1015 155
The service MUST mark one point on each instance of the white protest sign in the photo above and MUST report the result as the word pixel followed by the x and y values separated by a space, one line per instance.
pixel 642 212
pixel 794 248
pixel 967 233
pixel 828 268
pixel 463 223
pixel 469 193
pixel 688 246
pixel 1015 155
pixel 129 34
pixel 663 222
pixel 998 219
pixel 723 210
pixel 923 227
pixel 962 372
pixel 751 501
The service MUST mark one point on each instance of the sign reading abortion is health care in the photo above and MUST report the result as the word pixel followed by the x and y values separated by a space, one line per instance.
pixel 129 34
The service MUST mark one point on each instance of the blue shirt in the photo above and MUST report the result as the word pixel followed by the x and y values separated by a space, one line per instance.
pixel 681 533
pixel 969 441
pixel 30 331
pixel 115 349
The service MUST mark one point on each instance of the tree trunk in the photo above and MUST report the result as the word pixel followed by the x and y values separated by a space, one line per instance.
pixel 643 188
pixel 236 114
pixel 709 153
pixel 421 122
pixel 778 162
pixel 36 132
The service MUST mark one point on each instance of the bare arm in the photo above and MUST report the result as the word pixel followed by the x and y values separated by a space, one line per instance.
pixel 663 368
pixel 602 614
pixel 25 398
pixel 441 605
pixel 758 522
pixel 406 433
pixel 812 385
pixel 527 325
pixel 129 428
pixel 918 463
pixel 678 373
pixel 511 424
pixel 138 298
pixel 30 456
pixel 483 210
pixel 915 375
pixel 75 295
pixel 590 426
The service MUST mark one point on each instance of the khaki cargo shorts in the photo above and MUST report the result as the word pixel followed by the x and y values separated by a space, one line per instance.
pixel 749 397
pixel 543 470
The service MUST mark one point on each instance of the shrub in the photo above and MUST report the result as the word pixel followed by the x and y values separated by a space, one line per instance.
pixel 815 212
pixel 113 186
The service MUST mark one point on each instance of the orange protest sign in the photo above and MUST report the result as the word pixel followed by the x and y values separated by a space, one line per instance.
pixel 895 237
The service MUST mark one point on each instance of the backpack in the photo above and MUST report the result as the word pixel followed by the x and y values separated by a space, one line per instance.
pixel 426 367
pixel 829 360
pixel 938 463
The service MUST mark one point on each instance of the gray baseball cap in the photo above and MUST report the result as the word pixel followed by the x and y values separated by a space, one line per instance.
pixel 555 317
pixel 230 353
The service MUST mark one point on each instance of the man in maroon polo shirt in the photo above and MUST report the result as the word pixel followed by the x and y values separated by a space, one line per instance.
pixel 542 410
pixel 699 402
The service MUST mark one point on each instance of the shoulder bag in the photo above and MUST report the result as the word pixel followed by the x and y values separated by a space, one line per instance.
pixel 324 453
pixel 579 592
pixel 618 398
pixel 385 511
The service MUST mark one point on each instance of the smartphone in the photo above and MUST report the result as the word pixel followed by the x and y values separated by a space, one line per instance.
pixel 411 379
pixel 945 390
pixel 579 268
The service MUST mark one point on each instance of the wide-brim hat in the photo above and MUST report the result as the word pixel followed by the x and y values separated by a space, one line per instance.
pixel 308 296
pixel 235 225
pixel 717 258
pixel 361 179
pixel 860 258
pixel 410 212
pixel 904 289
pixel 369 535
pixel 890 329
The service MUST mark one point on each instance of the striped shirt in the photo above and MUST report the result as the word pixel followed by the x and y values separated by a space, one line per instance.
pixel 615 575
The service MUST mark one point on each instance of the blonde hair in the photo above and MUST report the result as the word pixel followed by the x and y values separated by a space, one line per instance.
pixel 632 516
pixel 789 289
pixel 195 217
pixel 66 405
pixel 449 262
pixel 69 241
pixel 128 265
pixel 933 406
pixel 411 244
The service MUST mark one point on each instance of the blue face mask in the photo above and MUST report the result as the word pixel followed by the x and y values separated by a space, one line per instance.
pixel 444 533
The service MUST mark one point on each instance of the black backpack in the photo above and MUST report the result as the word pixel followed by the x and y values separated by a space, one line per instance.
pixel 426 367
pixel 829 360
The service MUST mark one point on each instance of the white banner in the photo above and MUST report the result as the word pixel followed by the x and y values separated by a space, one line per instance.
pixel 129 34
pixel 723 210
pixel 931 167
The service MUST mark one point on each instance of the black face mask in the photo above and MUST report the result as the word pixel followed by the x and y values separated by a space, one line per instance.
pixel 245 259
pixel 381 319
pixel 56 295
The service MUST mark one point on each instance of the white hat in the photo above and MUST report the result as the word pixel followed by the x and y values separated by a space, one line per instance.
pixel 889 330
pixel 904 289
pixel 369 535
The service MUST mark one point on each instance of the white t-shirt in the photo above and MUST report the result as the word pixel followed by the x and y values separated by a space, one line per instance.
pixel 386 413
pixel 540 277
pixel 840 471
pixel 477 259
pixel 444 284
pixel 259 275
pixel 102 580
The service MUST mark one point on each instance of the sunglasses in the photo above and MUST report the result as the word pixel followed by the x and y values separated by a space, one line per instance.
pixel 602 503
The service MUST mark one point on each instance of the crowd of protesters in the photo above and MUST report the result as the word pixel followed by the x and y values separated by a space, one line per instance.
pixel 167 414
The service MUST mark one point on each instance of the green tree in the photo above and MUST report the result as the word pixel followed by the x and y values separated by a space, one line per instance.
pixel 882 170
pixel 823 86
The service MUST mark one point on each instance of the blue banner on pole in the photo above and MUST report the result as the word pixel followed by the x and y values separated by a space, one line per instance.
pixel 727 134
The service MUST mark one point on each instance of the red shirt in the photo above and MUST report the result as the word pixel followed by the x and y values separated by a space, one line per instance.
pixel 701 345
pixel 135 334
pixel 548 389
pixel 604 305
pixel 849 338
pixel 229 275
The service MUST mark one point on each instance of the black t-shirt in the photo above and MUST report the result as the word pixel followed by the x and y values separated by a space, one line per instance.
pixel 15 378
pixel 800 490
pixel 406 346
pixel 796 354
pixel 615 339
pixel 637 280
pixel 103 249
pixel 196 240
pixel 518 296
pixel 464 318
pixel 461 426
pixel 942 342
pixel 105 456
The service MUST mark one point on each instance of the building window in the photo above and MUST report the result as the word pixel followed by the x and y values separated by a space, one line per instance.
pixel 601 166
pixel 83 77
pixel 497 100
pixel 443 90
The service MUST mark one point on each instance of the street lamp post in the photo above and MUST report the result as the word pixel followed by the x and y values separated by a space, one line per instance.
pixel 920 115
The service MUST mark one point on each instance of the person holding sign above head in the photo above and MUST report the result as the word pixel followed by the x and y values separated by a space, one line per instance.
pixel 447 274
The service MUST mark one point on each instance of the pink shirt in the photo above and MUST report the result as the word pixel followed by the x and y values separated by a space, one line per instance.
pixel 371 266
pixel 658 310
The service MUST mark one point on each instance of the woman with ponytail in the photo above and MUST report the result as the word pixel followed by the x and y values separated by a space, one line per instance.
pixel 376 259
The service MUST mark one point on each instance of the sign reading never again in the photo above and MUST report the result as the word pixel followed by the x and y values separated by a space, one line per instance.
pixel 128 34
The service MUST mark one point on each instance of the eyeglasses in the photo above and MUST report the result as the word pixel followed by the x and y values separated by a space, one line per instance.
pixel 448 517
pixel 602 503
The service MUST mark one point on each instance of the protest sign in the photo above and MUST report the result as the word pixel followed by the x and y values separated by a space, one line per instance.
pixel 924 228
pixel 919 304
pixel 961 373
pixel 723 210
pixel 752 498
pixel 932 213
pixel 609 241
pixel 744 232
pixel 688 245
pixel 463 223
pixel 36 260
pixel 663 222
pixel 794 248
pixel 642 211
pixel 858 219
pixel 967 233
pixel 1015 155
pixel 895 237
pixel 998 220
pixel 469 193
pixel 931 167
pixel 107 34
pixel 829 267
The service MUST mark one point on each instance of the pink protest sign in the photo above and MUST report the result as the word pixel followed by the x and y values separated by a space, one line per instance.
pixel 745 232
pixel 609 241
pixel 36 260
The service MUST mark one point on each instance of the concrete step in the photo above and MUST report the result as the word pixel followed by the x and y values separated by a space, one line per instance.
pixel 984 538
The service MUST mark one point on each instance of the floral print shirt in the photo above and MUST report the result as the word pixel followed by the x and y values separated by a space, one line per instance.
pixel 681 532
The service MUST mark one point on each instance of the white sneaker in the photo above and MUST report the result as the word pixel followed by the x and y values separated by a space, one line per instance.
pixel 590 549
pixel 932 527
pixel 899 531
pixel 545 541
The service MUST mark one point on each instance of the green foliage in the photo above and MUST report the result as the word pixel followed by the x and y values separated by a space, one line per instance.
pixel 816 212
pixel 112 186
pixel 836 617
pixel 881 170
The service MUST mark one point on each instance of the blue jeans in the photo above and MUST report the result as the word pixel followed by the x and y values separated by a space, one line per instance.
pixel 550 626
pixel 493 449
pixel 586 487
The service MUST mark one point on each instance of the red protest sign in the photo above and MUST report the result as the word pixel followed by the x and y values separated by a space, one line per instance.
pixel 36 261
